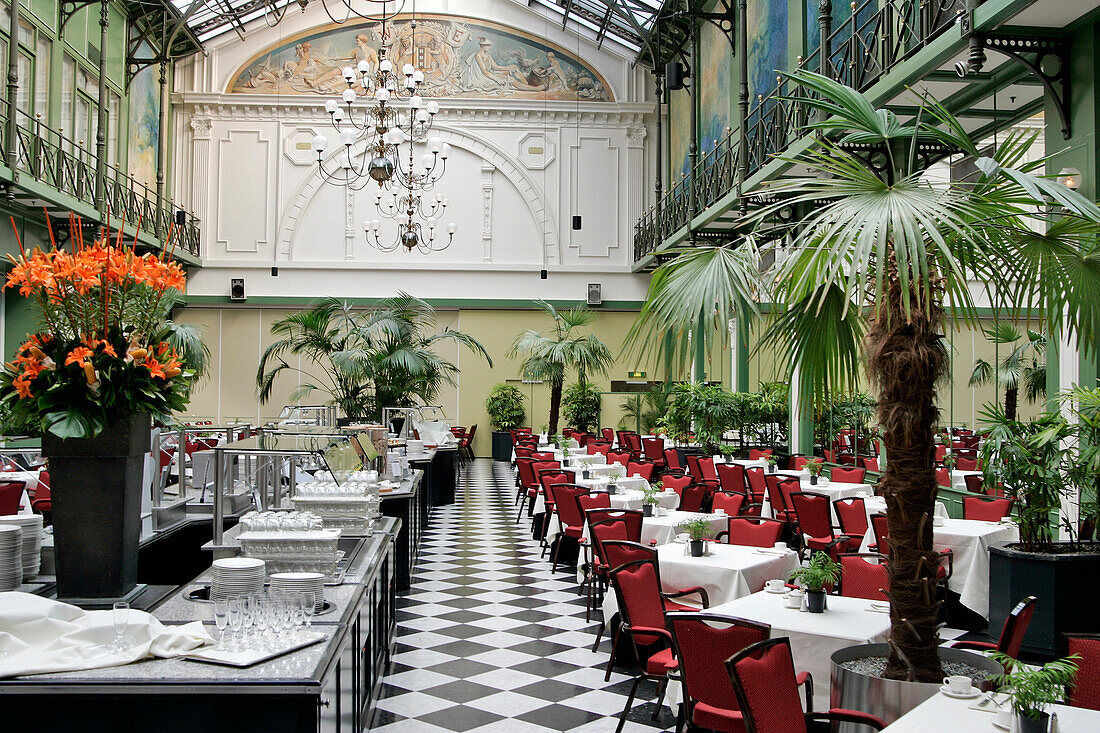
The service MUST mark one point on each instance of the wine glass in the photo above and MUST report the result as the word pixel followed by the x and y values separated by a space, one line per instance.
pixel 221 619
pixel 261 618
pixel 235 621
pixel 247 620
pixel 309 601
pixel 297 614
pixel 121 614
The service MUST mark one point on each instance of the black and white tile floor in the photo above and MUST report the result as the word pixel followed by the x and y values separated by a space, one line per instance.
pixel 490 640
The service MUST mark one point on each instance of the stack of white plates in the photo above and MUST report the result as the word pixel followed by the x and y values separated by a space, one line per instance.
pixel 301 583
pixel 11 557
pixel 31 524
pixel 237 576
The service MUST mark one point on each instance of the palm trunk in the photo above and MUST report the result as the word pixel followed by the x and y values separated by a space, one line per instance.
pixel 555 405
pixel 906 358
pixel 1012 395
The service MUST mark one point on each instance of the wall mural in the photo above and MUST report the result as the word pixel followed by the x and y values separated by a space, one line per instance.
pixel 715 96
pixel 679 134
pixel 767 30
pixel 144 138
pixel 459 57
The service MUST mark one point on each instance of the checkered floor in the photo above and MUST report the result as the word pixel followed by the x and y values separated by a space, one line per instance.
pixel 490 640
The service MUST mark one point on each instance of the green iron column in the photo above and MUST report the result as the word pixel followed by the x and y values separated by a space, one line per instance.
pixel 162 147
pixel 693 147
pixel 13 92
pixel 825 20
pixel 101 124
pixel 700 374
pixel 742 102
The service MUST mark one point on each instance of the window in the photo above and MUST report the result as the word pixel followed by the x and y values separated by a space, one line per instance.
pixel 25 70
pixel 113 130
pixel 68 88
pixel 42 78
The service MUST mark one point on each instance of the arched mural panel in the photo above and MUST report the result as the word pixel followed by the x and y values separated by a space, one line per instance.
pixel 460 57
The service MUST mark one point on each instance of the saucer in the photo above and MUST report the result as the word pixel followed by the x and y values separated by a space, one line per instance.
pixel 784 590
pixel 968 695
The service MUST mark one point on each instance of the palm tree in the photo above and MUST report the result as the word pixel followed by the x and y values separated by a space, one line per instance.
pixel 868 272
pixel 1016 369
pixel 550 356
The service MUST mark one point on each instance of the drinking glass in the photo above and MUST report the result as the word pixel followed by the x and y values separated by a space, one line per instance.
pixel 247 620
pixel 297 615
pixel 121 614
pixel 309 600
pixel 235 621
pixel 221 619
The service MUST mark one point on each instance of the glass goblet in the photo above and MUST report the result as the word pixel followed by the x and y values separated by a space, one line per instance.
pixel 221 619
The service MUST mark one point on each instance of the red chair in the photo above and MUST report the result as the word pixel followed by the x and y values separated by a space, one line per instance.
pixel 816 526
pixel 943 478
pixel 848 475
pixel 702 469
pixel 941 453
pixel 764 679
pixel 864 575
pixel 1085 690
pixel 645 470
pixel 757 483
pixel 606 524
pixel 466 442
pixel 10 494
pixel 871 464
pixel 881 528
pixel 594 500
pixel 986 510
pixel 851 513
pixel 730 503
pixel 756 455
pixel 634 444
pixel 608 434
pixel 641 607
pixel 672 460
pixel 797 462
pixel 974 483
pixel 569 515
pixel 42 502
pixel 653 449
pixel 619 456
pixel 691 497
pixel 731 477
pixel 676 483
pixel 598 446
pixel 779 489
pixel 546 479
pixel 751 531
pixel 963 463
pixel 702 643
pixel 546 455
pixel 1012 633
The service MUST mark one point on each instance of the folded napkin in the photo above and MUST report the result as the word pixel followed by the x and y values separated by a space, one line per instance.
pixel 39 635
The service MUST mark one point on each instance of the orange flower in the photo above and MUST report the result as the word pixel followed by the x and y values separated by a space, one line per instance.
pixel 32 369
pixel 107 348
pixel 154 367
pixel 22 386
pixel 78 356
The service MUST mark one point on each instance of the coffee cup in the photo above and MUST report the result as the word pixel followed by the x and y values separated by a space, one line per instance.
pixel 959 684
pixel 937 521
pixel 781 546
pixel 776 584
pixel 862 494
pixel 682 537
pixel 794 599
pixel 720 511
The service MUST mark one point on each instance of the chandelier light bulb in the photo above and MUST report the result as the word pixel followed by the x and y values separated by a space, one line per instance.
pixel 385 66
pixel 435 144
pixel 349 74
pixel 439 198
pixel 331 106
pixel 349 96
pixel 431 223
pixel 345 161
pixel 416 101
pixel 364 66
pixel 445 152
pixel 427 160
pixel 408 70
pixel 320 142
pixel 433 107
pixel 445 201
pixel 338 115
pixel 418 76
pixel 451 228
pixel 376 225
pixel 382 94
pixel 347 137
pixel 422 116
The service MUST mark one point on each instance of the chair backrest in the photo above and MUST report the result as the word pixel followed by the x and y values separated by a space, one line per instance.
pixel 676 483
pixel 852 515
pixel 941 452
pixel 986 510
pixel 881 528
pixel 812 511
pixel 629 520
pixel 1085 690
pixel 763 679
pixel 672 459
pixel 775 496
pixel 10 494
pixel 470 435
pixel 598 446
pixel 623 528
pixel 693 467
pixel 755 480
pixel 974 483
pixel 554 476
pixel 755 454
pixel 730 503
pixel 871 464
pixel 797 462
pixel 848 475
pixel 597 500
pixel 691 497
pixel 703 642
pixel 537 467
pixel 753 531
pixel 653 449
pixel 565 503
pixel 645 470
pixel 864 575
pixel 522 452
pixel 943 478
pixel 637 587
pixel 546 455
pixel 967 464
pixel 608 434
pixel 1012 633
pixel 731 477
pixel 621 552
pixel 706 469
pixel 619 456
pixel 42 496
pixel 634 443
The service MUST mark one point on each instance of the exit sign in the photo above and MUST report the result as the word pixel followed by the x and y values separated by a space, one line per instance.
pixel 635 375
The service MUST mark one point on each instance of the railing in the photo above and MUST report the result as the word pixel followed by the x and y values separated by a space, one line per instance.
pixel 50 157
pixel 878 35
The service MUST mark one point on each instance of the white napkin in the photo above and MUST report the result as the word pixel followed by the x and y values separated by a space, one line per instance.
pixel 39 635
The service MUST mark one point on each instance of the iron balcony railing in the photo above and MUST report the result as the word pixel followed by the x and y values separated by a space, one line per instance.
pixel 55 160
pixel 877 36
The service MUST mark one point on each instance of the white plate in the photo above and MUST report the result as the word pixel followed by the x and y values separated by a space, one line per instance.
pixel 974 692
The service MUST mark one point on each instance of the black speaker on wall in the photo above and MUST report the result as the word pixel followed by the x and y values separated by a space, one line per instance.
pixel 674 75
pixel 576 222
pixel 181 217
pixel 236 289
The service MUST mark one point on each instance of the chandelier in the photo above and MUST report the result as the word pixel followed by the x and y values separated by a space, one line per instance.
pixel 390 157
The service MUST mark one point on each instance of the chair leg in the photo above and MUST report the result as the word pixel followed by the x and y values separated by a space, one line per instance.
pixel 611 661
pixel 629 704
pixel 554 556
pixel 522 503
pixel 599 638
pixel 661 687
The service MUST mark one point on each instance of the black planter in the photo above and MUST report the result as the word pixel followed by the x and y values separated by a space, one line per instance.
pixel 343 422
pixel 1025 724
pixel 96 490
pixel 647 510
pixel 813 480
pixel 696 547
pixel 771 469
pixel 1056 580
pixel 815 601
pixel 502 445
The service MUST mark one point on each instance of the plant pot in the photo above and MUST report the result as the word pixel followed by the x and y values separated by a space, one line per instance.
pixel 502 445
pixel 1024 724
pixel 1055 579
pixel 813 480
pixel 343 422
pixel 586 475
pixel 696 547
pixel 647 510
pixel 815 601
pixel 771 469
pixel 96 486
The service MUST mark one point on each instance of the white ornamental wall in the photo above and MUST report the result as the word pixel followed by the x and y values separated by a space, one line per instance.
pixel 520 170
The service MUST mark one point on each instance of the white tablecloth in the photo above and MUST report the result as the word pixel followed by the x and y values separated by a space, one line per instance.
pixel 958 479
pixel 604 469
pixel 814 636
pixel 834 490
pixel 623 500
pixel 877 505
pixel 969 541
pixel 663 529
pixel 628 483
pixel 951 715
pixel 596 459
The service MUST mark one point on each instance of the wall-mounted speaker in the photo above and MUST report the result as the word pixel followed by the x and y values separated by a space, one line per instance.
pixel 576 222
pixel 542 274
pixel 181 217
pixel 236 289
pixel 595 294
pixel 674 75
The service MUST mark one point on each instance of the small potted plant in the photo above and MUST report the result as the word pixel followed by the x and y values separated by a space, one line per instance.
pixel 506 412
pixel 1031 689
pixel 819 572
pixel 949 461
pixel 770 459
pixel 649 499
pixel 697 530
pixel 815 466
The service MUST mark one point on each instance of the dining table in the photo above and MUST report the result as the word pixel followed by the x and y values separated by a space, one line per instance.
pixel 958 479
pixel 814 636
pixel 877 505
pixel 832 489
pixel 969 541
pixel 943 713
pixel 622 499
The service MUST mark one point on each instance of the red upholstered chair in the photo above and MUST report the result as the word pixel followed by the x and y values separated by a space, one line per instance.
pixel 766 684
pixel 731 477
pixel 608 434
pixel 963 463
pixel 974 483
pixel 756 455
pixel 691 497
pixel 848 475
pixel 672 460
pixel 598 446
pixel 986 510
pixel 42 502
pixel 546 455
pixel 730 503
pixel 871 464
pixel 676 483
pixel 594 500
pixel 864 575
pixel 702 643
pixel 816 525
pixel 10 494
pixel 606 524
pixel 645 470
pixel 1012 633
pixel 634 444
pixel 641 607
pixel 466 442
pixel 941 453
pixel 1085 690
pixel 779 490
pixel 702 470
pixel 547 478
pixel 943 478
pixel 881 527
pixel 758 485
pixel 797 462
pixel 653 449
pixel 569 514
pixel 751 531
pixel 851 513
pixel 619 456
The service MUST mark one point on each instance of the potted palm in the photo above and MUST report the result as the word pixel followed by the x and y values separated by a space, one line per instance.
pixel 820 571
pixel 650 498
pixel 506 412
pixel 1032 689
pixel 771 460
pixel 580 405
pixel 815 467
pixel 698 530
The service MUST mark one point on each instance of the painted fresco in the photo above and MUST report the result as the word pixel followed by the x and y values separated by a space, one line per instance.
pixel 767 31
pixel 459 57
pixel 144 138
pixel 715 94
pixel 679 134
pixel 842 25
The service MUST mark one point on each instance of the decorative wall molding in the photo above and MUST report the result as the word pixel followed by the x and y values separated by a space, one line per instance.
pixel 487 171
pixel 251 205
